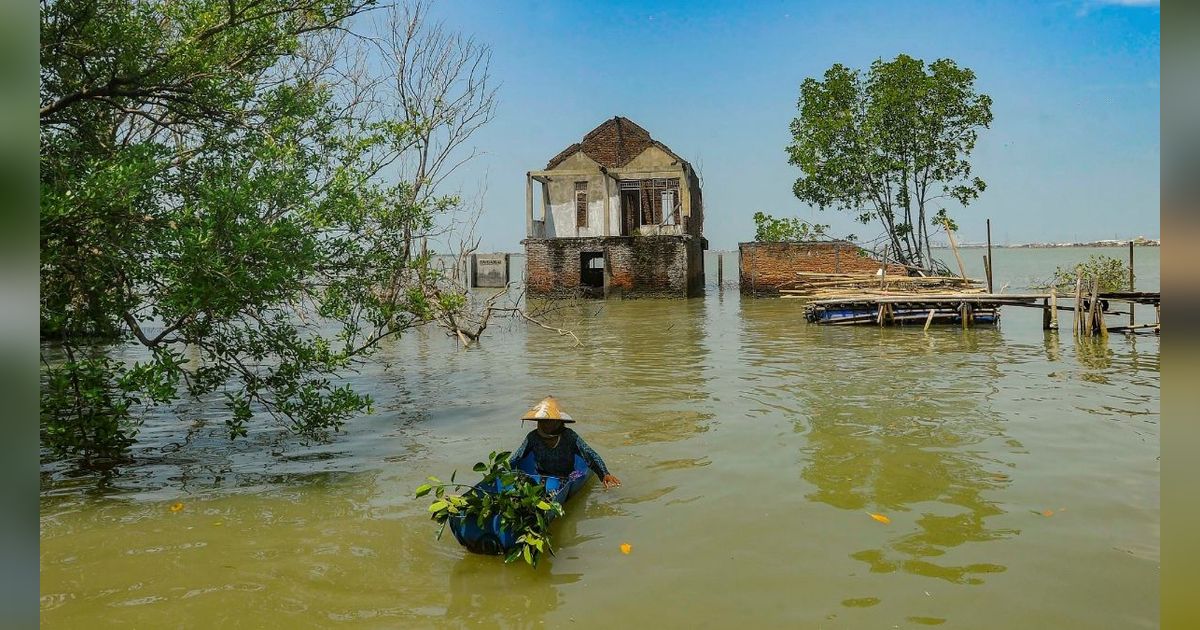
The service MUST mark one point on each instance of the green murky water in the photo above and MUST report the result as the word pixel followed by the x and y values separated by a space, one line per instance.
pixel 1018 468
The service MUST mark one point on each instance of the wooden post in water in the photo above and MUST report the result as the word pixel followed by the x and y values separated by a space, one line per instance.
pixel 991 261
pixel 1093 307
pixel 1132 304
pixel 720 269
pixel 1079 304
pixel 1054 308
pixel 929 318
pixel 1045 313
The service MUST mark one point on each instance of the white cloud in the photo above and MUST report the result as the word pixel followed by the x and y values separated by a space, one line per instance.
pixel 1087 6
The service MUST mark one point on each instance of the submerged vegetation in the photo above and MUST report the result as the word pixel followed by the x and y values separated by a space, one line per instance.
pixel 1112 274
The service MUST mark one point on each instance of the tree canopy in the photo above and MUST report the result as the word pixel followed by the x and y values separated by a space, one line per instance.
pixel 223 183
pixel 768 228
pixel 889 145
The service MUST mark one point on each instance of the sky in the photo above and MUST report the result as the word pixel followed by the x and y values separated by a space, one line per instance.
pixel 1072 153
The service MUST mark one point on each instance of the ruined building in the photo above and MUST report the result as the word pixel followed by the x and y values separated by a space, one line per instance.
pixel 621 216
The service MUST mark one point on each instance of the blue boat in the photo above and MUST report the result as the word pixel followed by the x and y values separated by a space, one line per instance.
pixel 491 539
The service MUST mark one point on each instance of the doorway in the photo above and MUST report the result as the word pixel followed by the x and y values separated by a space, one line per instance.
pixel 591 270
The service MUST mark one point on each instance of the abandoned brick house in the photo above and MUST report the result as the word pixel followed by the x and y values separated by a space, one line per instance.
pixel 621 216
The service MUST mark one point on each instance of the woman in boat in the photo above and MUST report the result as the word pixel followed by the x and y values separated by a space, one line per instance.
pixel 554 446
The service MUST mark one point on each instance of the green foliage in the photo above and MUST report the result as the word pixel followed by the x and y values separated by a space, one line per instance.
pixel 1113 274
pixel 208 183
pixel 769 229
pixel 524 506
pixel 887 144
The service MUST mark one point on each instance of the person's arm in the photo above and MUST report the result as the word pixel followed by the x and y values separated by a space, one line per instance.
pixel 595 462
pixel 519 453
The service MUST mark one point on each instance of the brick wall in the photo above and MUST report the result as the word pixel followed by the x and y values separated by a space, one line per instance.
pixel 764 266
pixel 641 266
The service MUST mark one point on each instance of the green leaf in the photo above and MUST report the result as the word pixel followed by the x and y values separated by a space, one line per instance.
pixel 438 506
pixel 423 490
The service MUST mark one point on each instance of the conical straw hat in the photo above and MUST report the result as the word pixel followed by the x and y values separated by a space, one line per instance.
pixel 547 409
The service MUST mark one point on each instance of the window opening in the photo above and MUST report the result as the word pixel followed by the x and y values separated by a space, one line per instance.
pixel 581 204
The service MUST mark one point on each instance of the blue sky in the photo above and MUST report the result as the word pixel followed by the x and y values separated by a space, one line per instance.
pixel 1073 152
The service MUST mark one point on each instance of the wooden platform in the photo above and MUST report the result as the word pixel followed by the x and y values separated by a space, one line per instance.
pixel 960 308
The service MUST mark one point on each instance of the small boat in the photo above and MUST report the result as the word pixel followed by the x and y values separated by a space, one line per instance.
pixel 491 538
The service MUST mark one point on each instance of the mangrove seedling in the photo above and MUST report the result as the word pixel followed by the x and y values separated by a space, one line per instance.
pixel 523 505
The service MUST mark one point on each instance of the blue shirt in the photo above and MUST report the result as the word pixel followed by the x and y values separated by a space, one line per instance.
pixel 560 460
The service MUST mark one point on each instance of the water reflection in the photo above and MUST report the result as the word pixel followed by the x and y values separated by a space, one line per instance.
pixel 643 368
pixel 484 591
pixel 907 437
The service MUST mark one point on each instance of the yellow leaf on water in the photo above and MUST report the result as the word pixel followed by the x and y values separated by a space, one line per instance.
pixel 1047 512
pixel 626 548
pixel 175 507
pixel 881 518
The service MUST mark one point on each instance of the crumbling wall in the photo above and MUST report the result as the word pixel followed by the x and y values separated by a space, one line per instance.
pixel 635 267
pixel 762 267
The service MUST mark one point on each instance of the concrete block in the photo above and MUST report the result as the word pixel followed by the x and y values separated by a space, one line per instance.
pixel 491 270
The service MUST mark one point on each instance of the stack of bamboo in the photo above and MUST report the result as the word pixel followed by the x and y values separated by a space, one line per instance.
pixel 823 286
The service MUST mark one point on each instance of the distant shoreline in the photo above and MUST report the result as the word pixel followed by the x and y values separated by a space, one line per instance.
pixel 1139 242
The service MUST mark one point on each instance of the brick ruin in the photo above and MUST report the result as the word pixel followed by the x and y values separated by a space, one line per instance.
pixel 762 267
pixel 620 215
pixel 614 267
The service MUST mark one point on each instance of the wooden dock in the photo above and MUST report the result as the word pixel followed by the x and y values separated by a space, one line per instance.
pixel 969 309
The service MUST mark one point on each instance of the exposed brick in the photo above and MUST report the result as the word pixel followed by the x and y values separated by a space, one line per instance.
pixel 638 266
pixel 765 266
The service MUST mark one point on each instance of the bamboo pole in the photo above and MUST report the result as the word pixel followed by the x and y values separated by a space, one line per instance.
pixel 989 255
pixel 883 269
pixel 954 247
pixel 987 272
pixel 929 318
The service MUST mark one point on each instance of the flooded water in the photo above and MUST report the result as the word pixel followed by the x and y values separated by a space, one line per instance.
pixel 1018 470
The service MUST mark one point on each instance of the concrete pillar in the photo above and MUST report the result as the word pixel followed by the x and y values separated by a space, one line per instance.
pixel 528 205
pixel 607 208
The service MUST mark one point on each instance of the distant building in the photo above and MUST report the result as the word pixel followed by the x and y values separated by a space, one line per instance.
pixel 621 216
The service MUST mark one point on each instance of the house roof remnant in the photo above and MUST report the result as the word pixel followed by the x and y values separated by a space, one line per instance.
pixel 613 144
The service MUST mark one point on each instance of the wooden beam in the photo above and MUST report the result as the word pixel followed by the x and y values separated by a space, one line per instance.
pixel 1131 306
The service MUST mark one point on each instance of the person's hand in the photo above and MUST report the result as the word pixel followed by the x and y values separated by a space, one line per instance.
pixel 610 481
